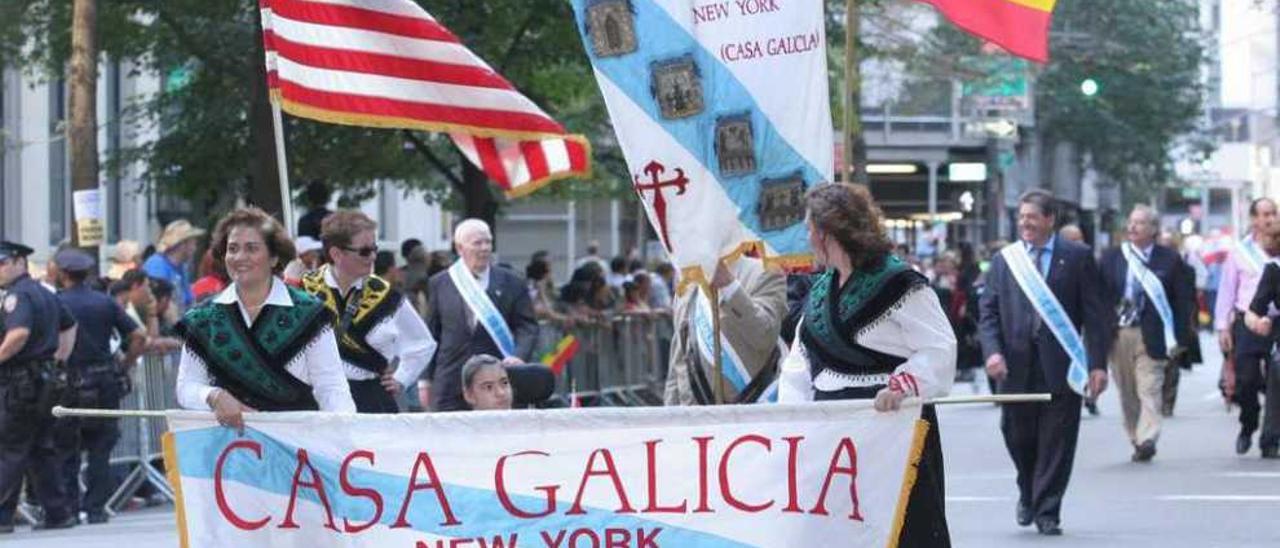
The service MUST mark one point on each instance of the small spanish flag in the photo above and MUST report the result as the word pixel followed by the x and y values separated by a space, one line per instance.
pixel 1019 26
pixel 560 356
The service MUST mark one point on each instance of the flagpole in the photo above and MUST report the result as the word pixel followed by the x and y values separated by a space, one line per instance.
pixel 282 165
pixel 717 367
pixel 850 36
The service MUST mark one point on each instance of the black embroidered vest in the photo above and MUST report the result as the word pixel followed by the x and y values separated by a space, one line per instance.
pixel 249 361
pixel 352 322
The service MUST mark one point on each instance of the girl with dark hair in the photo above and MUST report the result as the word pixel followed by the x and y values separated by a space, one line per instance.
pixel 872 329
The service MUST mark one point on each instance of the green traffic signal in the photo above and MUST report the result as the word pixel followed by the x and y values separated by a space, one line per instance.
pixel 1089 87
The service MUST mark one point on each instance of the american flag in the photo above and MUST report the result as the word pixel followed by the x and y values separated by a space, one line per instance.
pixel 388 63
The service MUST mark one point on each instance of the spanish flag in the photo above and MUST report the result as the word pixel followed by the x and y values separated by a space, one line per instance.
pixel 1019 26
pixel 560 356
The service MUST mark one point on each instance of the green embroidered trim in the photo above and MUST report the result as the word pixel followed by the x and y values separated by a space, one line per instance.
pixel 857 292
pixel 277 332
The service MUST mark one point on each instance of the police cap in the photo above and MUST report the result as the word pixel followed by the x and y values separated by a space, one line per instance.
pixel 10 250
pixel 73 260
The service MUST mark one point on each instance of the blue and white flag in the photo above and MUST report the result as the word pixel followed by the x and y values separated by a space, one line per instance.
pixel 721 109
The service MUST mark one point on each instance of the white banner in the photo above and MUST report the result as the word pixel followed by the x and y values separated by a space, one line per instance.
pixel 829 474
pixel 721 109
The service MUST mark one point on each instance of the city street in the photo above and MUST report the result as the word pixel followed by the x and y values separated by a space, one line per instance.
pixel 1196 493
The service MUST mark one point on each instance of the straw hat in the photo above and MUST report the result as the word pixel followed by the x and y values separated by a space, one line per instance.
pixel 177 232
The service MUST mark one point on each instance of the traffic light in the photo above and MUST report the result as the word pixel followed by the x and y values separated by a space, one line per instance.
pixel 1089 87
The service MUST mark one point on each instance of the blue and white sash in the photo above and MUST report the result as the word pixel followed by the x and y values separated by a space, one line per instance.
pixel 1051 311
pixel 485 312
pixel 731 366
pixel 1155 292
pixel 1251 256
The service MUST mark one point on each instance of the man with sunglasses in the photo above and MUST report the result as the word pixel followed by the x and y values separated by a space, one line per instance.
pixel 384 344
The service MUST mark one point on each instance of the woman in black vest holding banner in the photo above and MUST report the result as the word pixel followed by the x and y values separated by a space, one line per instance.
pixel 384 344
pixel 259 345
pixel 873 329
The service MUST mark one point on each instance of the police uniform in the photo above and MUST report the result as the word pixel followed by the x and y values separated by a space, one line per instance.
pixel 94 381
pixel 29 386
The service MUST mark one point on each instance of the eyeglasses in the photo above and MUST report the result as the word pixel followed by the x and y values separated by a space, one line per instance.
pixel 363 251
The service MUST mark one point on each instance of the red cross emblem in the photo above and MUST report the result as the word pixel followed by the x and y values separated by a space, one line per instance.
pixel 655 171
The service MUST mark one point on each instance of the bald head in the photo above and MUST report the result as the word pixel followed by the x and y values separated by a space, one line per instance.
pixel 1071 233
pixel 473 241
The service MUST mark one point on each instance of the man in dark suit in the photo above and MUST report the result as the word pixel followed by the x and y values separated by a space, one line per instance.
pixel 1024 356
pixel 453 323
pixel 1139 351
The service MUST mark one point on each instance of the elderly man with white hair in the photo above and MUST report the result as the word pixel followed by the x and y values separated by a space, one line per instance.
pixel 476 308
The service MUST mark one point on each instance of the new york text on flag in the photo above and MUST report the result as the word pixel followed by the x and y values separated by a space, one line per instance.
pixel 388 63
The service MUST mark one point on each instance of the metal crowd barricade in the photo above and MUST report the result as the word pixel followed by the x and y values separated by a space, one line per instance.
pixel 154 380
pixel 621 360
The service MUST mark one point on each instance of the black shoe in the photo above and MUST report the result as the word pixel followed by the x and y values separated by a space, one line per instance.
pixel 1092 406
pixel 1048 527
pixel 1243 441
pixel 1024 514
pixel 1272 452
pixel 6 529
pixel 65 523
pixel 96 518
pixel 1144 451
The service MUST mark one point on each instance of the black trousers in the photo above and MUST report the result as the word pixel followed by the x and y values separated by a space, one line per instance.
pixel 1253 357
pixel 371 397
pixel 925 525
pixel 26 441
pixel 76 437
pixel 1041 439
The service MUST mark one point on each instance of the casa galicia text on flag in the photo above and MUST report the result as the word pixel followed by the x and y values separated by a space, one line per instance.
pixel 721 110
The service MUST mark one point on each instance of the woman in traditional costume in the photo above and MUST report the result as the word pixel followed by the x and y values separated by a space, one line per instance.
pixel 259 345
pixel 384 344
pixel 873 329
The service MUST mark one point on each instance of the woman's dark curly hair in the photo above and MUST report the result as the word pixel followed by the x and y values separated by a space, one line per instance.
pixel 847 213
pixel 279 246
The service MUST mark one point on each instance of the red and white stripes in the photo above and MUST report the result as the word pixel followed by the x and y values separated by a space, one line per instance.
pixel 388 63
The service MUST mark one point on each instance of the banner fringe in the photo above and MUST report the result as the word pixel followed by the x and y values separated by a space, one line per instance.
pixel 693 275
pixel 168 443
pixel 908 481
pixel 392 122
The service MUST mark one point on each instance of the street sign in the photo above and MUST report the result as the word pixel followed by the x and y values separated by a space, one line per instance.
pixel 1003 85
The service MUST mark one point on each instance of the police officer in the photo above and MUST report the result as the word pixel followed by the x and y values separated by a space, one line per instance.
pixel 38 332
pixel 94 380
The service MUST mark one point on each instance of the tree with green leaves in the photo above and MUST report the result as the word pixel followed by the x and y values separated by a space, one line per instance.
pixel 215 122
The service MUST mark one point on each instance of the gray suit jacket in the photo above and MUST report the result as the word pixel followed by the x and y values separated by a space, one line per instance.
pixel 459 340
pixel 751 319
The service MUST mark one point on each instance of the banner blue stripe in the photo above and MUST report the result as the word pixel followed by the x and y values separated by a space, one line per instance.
pixel 660 37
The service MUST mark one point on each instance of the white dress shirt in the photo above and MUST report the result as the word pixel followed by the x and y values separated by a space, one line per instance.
pixel 402 335
pixel 317 365
pixel 915 328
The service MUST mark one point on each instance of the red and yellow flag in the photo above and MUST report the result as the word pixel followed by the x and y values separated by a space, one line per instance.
pixel 560 356
pixel 1019 26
